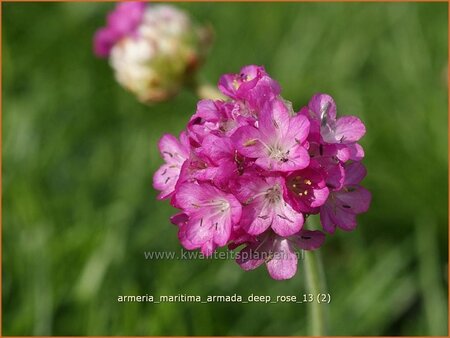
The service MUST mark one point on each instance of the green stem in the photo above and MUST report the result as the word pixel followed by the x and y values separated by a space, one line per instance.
pixel 315 282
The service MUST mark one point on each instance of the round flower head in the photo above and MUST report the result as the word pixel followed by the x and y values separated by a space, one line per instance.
pixel 248 172
pixel 153 49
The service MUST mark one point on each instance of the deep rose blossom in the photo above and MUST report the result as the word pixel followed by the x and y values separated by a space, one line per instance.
pixel 248 172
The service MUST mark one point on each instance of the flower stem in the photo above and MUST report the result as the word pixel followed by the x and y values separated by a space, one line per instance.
pixel 315 282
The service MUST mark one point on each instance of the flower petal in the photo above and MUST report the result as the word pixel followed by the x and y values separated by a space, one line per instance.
pixel 354 199
pixel 195 233
pixel 344 220
pixel 320 196
pixel 354 173
pixel 323 106
pixel 298 158
pixel 274 120
pixel 341 214
pixel 286 221
pixel 228 85
pixel 222 229
pixel 298 129
pixel 165 179
pixel 258 217
pixel 308 239
pixel 246 141
pixel 356 152
pixel 172 151
pixel 250 257
pixel 218 149
pixel 349 129
pixel 179 219
pixel 284 263
pixel 326 218
pixel 208 248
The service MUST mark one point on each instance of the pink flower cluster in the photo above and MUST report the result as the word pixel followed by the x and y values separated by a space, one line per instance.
pixel 249 171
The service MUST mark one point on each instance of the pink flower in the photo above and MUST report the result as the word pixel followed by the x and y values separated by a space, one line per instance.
pixel 279 253
pixel 228 164
pixel 249 171
pixel 334 171
pixel 214 117
pixel 211 216
pixel 197 168
pixel 174 153
pixel 347 129
pixel 277 143
pixel 265 207
pixel 306 189
pixel 252 86
pixel 342 206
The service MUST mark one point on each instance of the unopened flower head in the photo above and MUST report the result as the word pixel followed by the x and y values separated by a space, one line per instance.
pixel 153 49
pixel 248 171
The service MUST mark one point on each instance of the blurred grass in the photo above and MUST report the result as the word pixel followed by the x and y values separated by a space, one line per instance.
pixel 79 154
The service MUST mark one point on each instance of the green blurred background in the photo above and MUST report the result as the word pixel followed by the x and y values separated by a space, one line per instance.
pixel 79 153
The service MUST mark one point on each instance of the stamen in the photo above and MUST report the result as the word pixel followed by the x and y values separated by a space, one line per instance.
pixel 249 143
pixel 222 204
pixel 285 218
